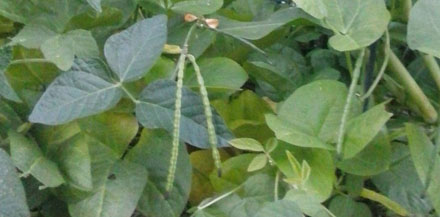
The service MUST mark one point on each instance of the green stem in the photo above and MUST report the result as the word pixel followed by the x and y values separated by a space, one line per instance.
pixel 180 67
pixel 347 107
pixel 221 197
pixel 406 9
pixel 433 67
pixel 277 183
pixel 212 136
pixel 401 74
pixel 349 62
pixel 128 93
pixel 31 60
pixel 382 69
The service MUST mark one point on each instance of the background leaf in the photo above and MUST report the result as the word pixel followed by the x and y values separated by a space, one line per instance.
pixel 5 88
pixel 197 7
pixel 12 195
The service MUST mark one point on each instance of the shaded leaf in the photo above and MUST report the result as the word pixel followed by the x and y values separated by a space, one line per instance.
pixel 197 7
pixel 280 208
pixel 153 152
pixel 5 88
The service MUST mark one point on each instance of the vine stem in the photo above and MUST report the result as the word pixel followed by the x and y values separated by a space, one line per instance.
pixel 382 69
pixel 212 136
pixel 221 197
pixel 180 67
pixel 30 60
pixel 401 74
pixel 347 107
pixel 348 62
pixel 433 68
pixel 276 187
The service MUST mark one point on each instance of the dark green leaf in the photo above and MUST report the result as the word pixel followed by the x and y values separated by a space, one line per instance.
pixel 153 152
pixel 12 196
pixel 156 110
pixel 74 94
pixel 280 208
pixel 5 88
pixel 197 7
pixel 132 52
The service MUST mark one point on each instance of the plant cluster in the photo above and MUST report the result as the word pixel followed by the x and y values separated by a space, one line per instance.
pixel 219 108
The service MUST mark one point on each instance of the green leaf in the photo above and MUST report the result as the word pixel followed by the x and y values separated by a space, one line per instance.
pixel 75 162
pixel 308 203
pixel 424 27
pixel 311 116
pixel 116 130
pixel 316 8
pixel 61 49
pixel 117 196
pixel 28 157
pixel 362 129
pixel 259 162
pixel 153 152
pixel 197 7
pixel 247 144
pixel 95 4
pixel 9 119
pixel 280 208
pixel 132 52
pixel 343 206
pixel 258 29
pixel 156 109
pixel 33 36
pixel 372 160
pixel 234 173
pixel 12 195
pixel 209 212
pixel 322 177
pixel 5 88
pixel 356 24
pixel 74 94
pixel 421 149
pixel 221 75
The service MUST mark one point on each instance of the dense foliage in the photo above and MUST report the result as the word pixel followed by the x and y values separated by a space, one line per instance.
pixel 212 108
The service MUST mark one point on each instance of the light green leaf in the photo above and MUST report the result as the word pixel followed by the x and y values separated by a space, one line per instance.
pixel 280 208
pixel 5 88
pixel 344 206
pixel 156 110
pixel 247 144
pixel 197 7
pixel 375 158
pixel 116 130
pixel 95 4
pixel 308 203
pixel 322 177
pixel 234 173
pixel 153 152
pixel 132 52
pixel 28 157
pixel 74 94
pixel 362 129
pixel 33 36
pixel 311 116
pixel 421 149
pixel 424 27
pixel 354 24
pixel 117 196
pixel 209 212
pixel 259 162
pixel 316 8
pixel 221 76
pixel 61 49
pixel 258 29
pixel 12 195
pixel 75 162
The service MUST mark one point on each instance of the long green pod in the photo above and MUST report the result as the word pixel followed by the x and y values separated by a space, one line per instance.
pixel 208 114
pixel 401 74
pixel 180 68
